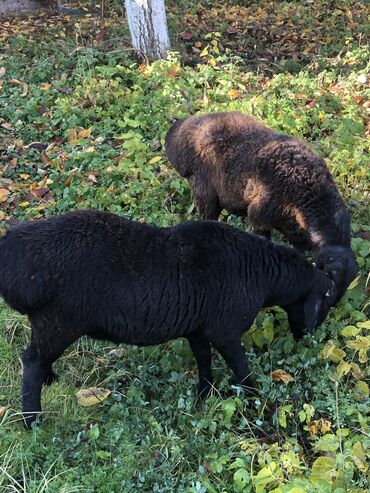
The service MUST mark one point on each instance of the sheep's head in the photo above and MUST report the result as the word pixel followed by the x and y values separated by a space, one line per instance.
pixel 339 263
pixel 311 310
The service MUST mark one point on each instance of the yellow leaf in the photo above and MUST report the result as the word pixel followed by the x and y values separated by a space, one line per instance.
pixel 281 376
pixel 356 371
pixel 325 425
pixel 354 282
pixel 331 352
pixel 343 368
pixel 323 468
pixel 2 215
pixel 91 396
pixel 155 159
pixel 361 390
pixel 24 176
pixel 4 194
pixel 313 427
pixel 361 342
pixel 205 100
pixel 84 134
pixel 45 86
pixel 72 136
pixel 359 457
pixel 234 94
pixel 24 204
pixel 350 331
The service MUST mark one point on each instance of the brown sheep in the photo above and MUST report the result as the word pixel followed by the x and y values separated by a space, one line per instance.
pixel 235 163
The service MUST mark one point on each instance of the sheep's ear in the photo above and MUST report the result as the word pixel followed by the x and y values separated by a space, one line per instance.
pixel 311 311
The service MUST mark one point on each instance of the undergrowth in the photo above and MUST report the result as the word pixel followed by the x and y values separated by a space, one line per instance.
pixel 82 125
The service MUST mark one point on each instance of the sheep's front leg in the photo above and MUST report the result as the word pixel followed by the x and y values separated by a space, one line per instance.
pixel 206 200
pixel 35 372
pixel 202 352
pixel 234 355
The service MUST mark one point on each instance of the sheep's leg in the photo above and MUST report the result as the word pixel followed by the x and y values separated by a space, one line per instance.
pixel 234 355
pixel 207 202
pixel 34 374
pixel 37 367
pixel 260 217
pixel 201 348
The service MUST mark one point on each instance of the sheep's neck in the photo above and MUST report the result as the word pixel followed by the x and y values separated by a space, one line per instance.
pixel 290 284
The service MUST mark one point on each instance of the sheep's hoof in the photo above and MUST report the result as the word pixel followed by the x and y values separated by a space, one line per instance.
pixel 29 419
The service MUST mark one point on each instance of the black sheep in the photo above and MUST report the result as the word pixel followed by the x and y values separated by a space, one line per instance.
pixel 93 273
pixel 233 162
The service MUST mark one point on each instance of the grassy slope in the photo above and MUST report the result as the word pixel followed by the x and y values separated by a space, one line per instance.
pixel 148 435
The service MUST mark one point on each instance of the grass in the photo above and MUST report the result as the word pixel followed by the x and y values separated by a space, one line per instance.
pixel 82 124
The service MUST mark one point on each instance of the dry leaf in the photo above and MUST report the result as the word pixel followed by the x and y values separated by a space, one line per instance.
pixel 4 194
pixel 120 351
pixel 234 94
pixel 84 134
pixel 281 376
pixel 45 86
pixel 2 410
pixel 25 90
pixel 2 71
pixel 72 136
pixel 155 159
pixel 7 126
pixel 91 396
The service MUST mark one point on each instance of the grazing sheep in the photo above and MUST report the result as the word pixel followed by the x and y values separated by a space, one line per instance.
pixel 93 273
pixel 233 162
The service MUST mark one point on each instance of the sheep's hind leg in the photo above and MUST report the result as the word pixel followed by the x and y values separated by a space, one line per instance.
pixel 45 348
pixel 202 352
pixel 234 355
pixel 35 372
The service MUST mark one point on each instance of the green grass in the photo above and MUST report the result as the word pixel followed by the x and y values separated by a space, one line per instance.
pixel 309 435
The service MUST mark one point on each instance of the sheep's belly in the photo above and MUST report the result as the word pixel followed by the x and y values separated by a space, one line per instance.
pixel 142 336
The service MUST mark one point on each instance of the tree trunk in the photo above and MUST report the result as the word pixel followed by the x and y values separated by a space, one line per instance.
pixel 148 27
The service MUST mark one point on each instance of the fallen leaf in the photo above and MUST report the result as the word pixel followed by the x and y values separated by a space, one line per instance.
pixel 281 376
pixel 2 71
pixel 155 159
pixel 234 94
pixel 91 396
pixel 4 194
pixel 45 86
pixel 25 90
pixel 7 126
pixel 2 410
pixel 84 134
pixel 120 351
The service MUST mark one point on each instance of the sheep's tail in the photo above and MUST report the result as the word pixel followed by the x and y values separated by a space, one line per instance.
pixel 177 149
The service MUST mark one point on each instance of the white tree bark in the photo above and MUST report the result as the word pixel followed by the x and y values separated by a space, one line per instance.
pixel 148 27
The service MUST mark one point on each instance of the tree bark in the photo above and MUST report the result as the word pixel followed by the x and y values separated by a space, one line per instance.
pixel 148 27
